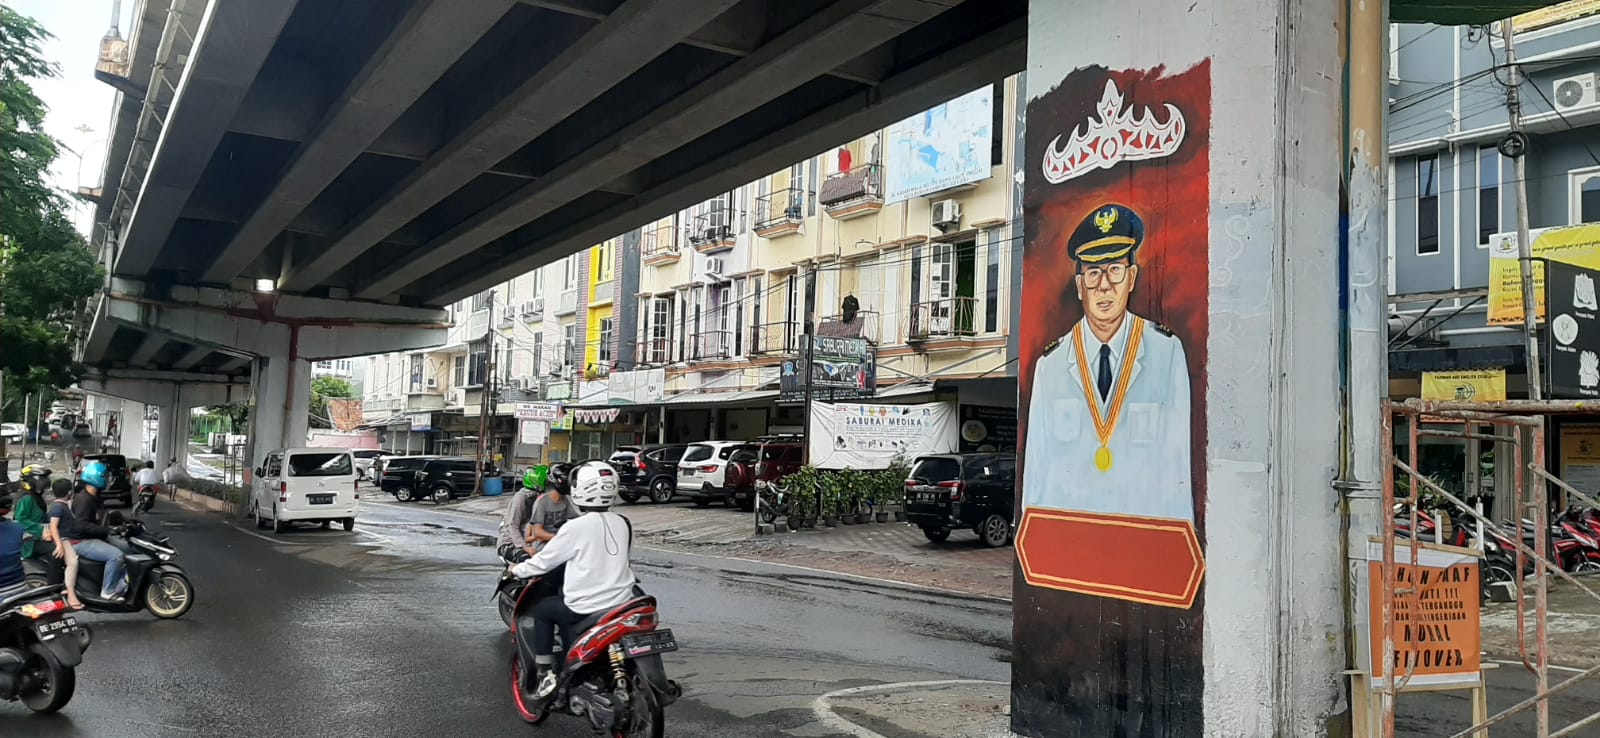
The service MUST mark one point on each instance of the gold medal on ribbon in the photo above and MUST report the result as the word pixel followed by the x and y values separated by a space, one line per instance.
pixel 1106 424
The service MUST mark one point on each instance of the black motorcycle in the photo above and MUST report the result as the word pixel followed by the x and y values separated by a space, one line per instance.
pixel 612 674
pixel 41 646
pixel 155 581
pixel 146 499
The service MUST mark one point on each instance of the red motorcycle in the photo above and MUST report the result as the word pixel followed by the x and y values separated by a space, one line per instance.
pixel 613 673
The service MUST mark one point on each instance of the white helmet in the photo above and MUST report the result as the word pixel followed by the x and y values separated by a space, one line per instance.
pixel 594 485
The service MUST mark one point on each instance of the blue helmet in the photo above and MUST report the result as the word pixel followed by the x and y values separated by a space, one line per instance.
pixel 95 474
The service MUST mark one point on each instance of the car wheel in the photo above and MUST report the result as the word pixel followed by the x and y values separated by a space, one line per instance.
pixel 403 493
pixel 994 531
pixel 255 510
pixel 661 491
pixel 440 495
pixel 349 524
pixel 279 525
pixel 937 535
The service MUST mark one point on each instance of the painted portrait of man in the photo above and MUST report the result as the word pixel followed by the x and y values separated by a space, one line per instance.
pixel 1110 400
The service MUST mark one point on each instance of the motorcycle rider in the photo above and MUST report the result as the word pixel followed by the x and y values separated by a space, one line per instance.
pixel 148 476
pixel 12 578
pixel 595 548
pixel 73 524
pixel 513 544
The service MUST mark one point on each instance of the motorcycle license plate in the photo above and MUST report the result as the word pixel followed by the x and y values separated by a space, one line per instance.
pixel 320 499
pixel 48 631
pixel 644 644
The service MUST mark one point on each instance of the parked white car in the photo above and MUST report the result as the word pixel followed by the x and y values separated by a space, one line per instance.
pixel 316 485
pixel 13 432
pixel 703 470
pixel 366 459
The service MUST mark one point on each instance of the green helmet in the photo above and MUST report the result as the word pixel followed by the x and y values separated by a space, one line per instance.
pixel 534 478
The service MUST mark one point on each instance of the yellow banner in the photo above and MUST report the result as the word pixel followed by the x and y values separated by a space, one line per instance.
pixel 1476 385
pixel 1554 14
pixel 1576 245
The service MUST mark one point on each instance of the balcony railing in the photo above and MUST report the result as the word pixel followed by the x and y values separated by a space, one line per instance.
pixel 659 245
pixel 568 303
pixel 780 213
pixel 773 339
pixel 853 193
pixel 866 324
pixel 712 232
pixel 713 345
pixel 951 317
pixel 653 351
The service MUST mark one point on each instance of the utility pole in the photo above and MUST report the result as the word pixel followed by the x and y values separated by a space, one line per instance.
pixel 809 336
pixel 486 403
pixel 1515 146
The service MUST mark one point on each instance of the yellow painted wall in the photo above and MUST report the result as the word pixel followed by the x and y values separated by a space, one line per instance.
pixel 591 341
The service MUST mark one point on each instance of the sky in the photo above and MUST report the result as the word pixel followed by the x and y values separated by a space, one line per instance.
pixel 76 98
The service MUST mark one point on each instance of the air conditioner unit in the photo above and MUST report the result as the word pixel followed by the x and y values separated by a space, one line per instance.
pixel 1572 93
pixel 433 383
pixel 946 212
pixel 538 304
pixel 514 383
pixel 714 265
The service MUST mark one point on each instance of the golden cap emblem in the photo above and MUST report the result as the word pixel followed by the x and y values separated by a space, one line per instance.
pixel 1105 219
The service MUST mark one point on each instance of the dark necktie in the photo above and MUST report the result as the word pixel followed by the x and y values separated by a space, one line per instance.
pixel 1103 379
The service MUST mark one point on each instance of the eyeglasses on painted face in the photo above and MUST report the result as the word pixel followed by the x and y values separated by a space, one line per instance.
pixel 1116 273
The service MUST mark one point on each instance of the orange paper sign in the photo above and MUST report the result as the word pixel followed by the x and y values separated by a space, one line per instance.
pixel 1437 633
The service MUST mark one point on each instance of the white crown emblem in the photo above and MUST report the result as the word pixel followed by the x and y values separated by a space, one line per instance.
pixel 1118 136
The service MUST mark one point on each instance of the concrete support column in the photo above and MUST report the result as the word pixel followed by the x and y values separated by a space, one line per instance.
pixel 1180 378
pixel 279 417
pixel 169 431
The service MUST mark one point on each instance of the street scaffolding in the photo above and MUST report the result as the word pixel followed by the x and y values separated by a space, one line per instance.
pixel 1520 423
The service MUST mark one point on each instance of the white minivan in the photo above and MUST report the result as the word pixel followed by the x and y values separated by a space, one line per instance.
pixel 305 485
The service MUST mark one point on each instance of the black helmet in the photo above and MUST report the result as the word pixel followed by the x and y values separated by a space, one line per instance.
pixel 35 478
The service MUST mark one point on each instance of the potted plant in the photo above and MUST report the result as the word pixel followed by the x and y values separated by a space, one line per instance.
pixel 882 493
pixel 894 484
pixel 803 485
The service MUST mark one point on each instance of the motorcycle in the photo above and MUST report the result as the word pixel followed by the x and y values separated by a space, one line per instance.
pixel 41 646
pixel 147 499
pixel 155 582
pixel 612 674
pixel 774 501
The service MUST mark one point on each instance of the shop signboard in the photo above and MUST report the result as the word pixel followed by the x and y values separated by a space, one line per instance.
pixel 533 433
pixel 421 423
pixel 1435 617
pixel 542 411
pixel 1573 358
pixel 841 369
pixel 858 436
pixel 1576 245
pixel 642 387
pixel 945 146
pixel 984 428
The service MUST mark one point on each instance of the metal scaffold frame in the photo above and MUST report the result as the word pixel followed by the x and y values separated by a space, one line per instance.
pixel 1524 424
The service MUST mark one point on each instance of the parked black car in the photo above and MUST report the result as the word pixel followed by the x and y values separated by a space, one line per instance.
pixel 654 473
pixel 968 491
pixel 624 460
pixel 121 489
pixel 400 476
pixel 445 479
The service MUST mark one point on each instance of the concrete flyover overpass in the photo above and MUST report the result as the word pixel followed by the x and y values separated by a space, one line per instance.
pixel 373 159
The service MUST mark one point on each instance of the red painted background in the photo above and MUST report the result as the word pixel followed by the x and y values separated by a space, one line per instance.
pixel 1086 665
pixel 1172 195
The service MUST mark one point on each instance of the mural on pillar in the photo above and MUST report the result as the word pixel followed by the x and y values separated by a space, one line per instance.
pixel 1113 396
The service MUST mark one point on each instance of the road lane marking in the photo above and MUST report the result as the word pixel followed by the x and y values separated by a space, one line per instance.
pixel 1519 665
pixel 822 707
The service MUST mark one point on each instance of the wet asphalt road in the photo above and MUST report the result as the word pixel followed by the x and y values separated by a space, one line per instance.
pixel 390 631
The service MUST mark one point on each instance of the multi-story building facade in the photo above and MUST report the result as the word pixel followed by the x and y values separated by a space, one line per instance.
pixel 914 226
pixel 548 327
pixel 904 243
pixel 1452 210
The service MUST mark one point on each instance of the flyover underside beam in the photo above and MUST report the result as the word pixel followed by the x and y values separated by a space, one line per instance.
pixel 806 51
pixel 422 47
pixel 639 32
pixel 975 62
pixel 234 41
pixel 215 390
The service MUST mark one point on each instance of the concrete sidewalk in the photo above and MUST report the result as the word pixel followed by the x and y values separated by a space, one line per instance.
pixel 955 708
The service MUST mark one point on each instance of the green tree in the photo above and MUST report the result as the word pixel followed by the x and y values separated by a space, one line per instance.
pixel 46 269
pixel 323 388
